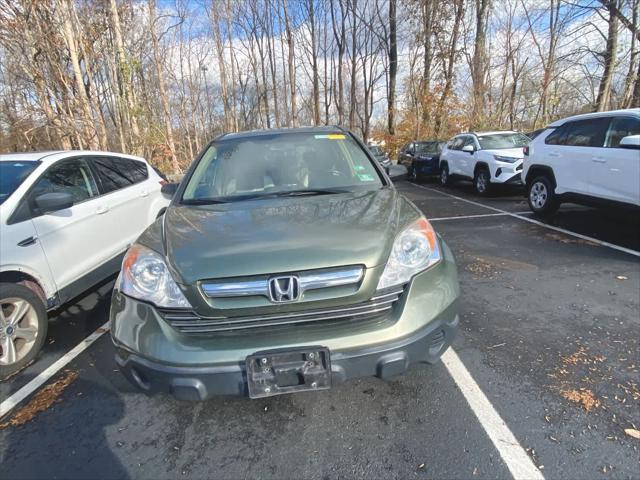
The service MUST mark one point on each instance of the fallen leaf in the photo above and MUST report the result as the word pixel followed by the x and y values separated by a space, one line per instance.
pixel 41 400
pixel 632 432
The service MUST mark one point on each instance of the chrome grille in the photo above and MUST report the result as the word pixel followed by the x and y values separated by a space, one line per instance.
pixel 189 322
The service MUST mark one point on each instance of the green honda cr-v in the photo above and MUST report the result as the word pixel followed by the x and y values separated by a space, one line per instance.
pixel 287 261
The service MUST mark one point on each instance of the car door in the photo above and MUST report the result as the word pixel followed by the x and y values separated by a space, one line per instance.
pixel 126 195
pixel 407 155
pixel 616 170
pixel 75 240
pixel 570 150
pixel 454 157
pixel 468 159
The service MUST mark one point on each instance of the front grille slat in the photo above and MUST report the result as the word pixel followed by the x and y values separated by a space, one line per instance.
pixel 190 322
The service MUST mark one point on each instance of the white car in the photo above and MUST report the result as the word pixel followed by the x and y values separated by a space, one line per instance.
pixel 66 219
pixel 486 158
pixel 592 159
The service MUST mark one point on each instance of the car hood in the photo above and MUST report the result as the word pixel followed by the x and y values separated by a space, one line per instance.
pixel 267 236
pixel 506 152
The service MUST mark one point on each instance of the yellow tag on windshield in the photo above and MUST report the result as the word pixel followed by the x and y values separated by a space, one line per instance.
pixel 332 136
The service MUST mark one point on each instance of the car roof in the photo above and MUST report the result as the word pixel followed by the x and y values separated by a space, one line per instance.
pixel 494 132
pixel 55 155
pixel 28 156
pixel 277 131
pixel 585 116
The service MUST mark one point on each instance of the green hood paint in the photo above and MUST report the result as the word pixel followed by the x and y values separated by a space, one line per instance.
pixel 267 236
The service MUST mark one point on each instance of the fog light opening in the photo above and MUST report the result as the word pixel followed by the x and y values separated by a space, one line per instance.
pixel 140 378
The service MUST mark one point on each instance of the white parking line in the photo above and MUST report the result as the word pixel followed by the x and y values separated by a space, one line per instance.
pixel 10 403
pixel 514 456
pixel 536 222
pixel 462 217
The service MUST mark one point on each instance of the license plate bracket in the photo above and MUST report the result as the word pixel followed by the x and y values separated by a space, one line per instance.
pixel 275 372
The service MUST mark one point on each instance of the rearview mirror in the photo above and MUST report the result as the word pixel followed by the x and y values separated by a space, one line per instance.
pixel 631 142
pixel 169 189
pixel 468 148
pixel 54 201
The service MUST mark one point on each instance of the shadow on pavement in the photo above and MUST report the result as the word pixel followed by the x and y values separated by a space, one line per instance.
pixel 68 440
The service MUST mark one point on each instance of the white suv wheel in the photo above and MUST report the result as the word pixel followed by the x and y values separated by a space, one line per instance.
pixel 538 195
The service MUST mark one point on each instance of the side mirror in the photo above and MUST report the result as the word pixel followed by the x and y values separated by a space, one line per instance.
pixel 631 142
pixel 169 189
pixel 468 149
pixel 54 201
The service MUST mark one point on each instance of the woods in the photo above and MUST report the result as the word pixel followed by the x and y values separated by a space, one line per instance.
pixel 160 79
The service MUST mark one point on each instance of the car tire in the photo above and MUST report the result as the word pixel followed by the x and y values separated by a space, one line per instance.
pixel 413 174
pixel 541 196
pixel 482 181
pixel 21 338
pixel 445 178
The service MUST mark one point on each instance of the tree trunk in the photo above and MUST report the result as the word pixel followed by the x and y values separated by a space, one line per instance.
pixel 393 69
pixel 449 74
pixel 479 63
pixel 292 66
pixel 125 96
pixel 604 91
pixel 222 69
pixel 314 65
pixel 162 90
pixel 90 134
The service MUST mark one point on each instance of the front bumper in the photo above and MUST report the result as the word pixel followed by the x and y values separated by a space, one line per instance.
pixel 158 358
pixel 508 174
pixel 427 167
pixel 383 361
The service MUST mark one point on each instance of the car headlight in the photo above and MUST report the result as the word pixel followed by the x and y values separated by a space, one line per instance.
pixel 145 276
pixel 501 158
pixel 415 249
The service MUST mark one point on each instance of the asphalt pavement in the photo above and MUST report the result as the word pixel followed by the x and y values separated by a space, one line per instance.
pixel 549 333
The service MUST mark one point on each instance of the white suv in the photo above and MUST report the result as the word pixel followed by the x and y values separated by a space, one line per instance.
pixel 66 218
pixel 592 159
pixel 487 158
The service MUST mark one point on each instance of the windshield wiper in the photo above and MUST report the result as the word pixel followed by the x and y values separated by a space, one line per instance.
pixel 306 192
pixel 202 201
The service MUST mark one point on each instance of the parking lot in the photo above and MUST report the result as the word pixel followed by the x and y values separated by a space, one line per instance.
pixel 550 317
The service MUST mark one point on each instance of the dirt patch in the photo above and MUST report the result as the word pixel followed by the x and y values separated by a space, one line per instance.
pixel 41 400
pixel 559 237
pixel 481 268
pixel 584 397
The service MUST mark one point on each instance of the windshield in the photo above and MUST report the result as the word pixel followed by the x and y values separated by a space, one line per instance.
pixel 264 165
pixel 428 148
pixel 503 140
pixel 12 174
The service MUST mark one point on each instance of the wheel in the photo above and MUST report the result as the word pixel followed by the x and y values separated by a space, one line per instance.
pixel 23 327
pixel 445 179
pixel 482 181
pixel 542 199
pixel 413 174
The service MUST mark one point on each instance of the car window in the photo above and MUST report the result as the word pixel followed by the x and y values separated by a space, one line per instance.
pixel 428 148
pixel 457 144
pixel 558 136
pixel 12 174
pixel 468 141
pixel 139 171
pixel 587 133
pixel 116 173
pixel 70 176
pixel 496 141
pixel 270 164
pixel 621 127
